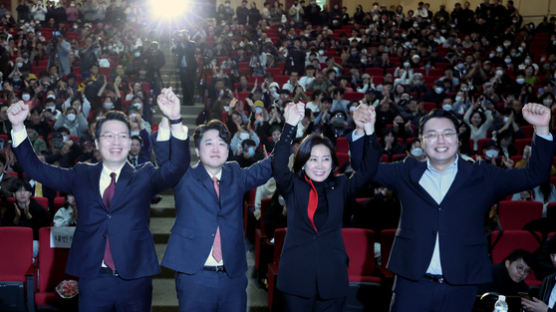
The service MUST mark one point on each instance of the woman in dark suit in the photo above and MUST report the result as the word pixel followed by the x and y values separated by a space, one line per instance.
pixel 313 266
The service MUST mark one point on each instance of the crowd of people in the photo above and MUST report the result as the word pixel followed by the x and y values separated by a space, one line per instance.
pixel 71 62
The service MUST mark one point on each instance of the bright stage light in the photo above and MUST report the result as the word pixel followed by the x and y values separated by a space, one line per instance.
pixel 169 9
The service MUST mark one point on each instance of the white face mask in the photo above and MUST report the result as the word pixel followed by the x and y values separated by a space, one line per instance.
pixel 406 64
pixel 417 152
pixel 499 72
pixel 137 105
pixel 447 107
pixel 547 101
pixel 491 153
pixel 507 60
pixel 70 116
pixel 26 97
pixel 108 105
pixel 499 49
pixel 51 96
pixel 438 90
pixel 520 80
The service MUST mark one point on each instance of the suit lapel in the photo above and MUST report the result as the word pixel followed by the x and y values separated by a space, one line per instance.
pixel 94 180
pixel 415 175
pixel 462 177
pixel 201 175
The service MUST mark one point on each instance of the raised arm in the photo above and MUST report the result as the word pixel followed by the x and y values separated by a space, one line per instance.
pixel 170 172
pixel 57 178
pixel 365 118
pixel 537 170
pixel 280 156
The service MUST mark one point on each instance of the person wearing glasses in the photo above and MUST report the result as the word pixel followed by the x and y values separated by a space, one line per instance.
pixel 440 252
pixel 112 251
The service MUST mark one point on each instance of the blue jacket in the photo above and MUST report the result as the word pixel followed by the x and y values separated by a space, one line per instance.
pixel 200 213
pixel 126 223
pixel 459 218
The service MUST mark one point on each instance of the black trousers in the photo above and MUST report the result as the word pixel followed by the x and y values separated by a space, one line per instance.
pixel 427 295
pixel 107 292
pixel 293 303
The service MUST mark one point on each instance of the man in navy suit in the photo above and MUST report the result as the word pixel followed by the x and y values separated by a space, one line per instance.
pixel 440 252
pixel 206 246
pixel 112 251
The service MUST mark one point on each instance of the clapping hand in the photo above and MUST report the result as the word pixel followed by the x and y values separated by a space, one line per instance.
pixel 538 116
pixel 169 104
pixel 294 113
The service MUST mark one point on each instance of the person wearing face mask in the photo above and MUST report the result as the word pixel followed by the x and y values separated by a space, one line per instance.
pixel 74 121
pixel 249 154
pixel 436 95
pixel 313 266
pixel 244 133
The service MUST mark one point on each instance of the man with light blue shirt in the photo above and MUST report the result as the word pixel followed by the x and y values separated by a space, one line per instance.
pixel 440 252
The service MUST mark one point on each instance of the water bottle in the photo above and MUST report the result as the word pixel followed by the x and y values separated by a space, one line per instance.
pixel 501 305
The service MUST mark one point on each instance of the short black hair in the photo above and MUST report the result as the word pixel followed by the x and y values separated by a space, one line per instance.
pixel 21 183
pixel 112 115
pixel 517 254
pixel 138 138
pixel 214 124
pixel 438 113
pixel 304 152
pixel 248 142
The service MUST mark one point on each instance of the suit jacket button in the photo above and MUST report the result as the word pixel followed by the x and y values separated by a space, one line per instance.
pixel 109 216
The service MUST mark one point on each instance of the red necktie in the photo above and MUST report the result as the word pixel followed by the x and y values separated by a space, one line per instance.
pixel 106 199
pixel 313 203
pixel 216 245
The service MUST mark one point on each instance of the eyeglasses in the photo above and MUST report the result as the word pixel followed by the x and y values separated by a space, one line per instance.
pixel 433 136
pixel 109 136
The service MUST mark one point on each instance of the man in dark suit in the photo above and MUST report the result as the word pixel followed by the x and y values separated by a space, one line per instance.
pixel 187 65
pixel 206 246
pixel 112 251
pixel 440 252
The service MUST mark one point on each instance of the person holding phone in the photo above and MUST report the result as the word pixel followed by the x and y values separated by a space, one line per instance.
pixel 547 293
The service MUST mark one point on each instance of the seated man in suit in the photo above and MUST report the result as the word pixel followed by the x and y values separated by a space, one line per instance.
pixel 206 246
pixel 440 253
pixel 112 251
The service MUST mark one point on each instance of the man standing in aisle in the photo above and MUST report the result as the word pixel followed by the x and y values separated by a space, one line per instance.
pixel 206 246
pixel 112 251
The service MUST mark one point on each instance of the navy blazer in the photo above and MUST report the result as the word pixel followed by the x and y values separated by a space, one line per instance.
pixel 545 291
pixel 126 223
pixel 316 262
pixel 459 218
pixel 200 213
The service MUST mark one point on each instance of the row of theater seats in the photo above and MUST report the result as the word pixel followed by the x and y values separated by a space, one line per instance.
pixel 513 215
pixel 41 278
pixel 363 269
pixel 36 281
